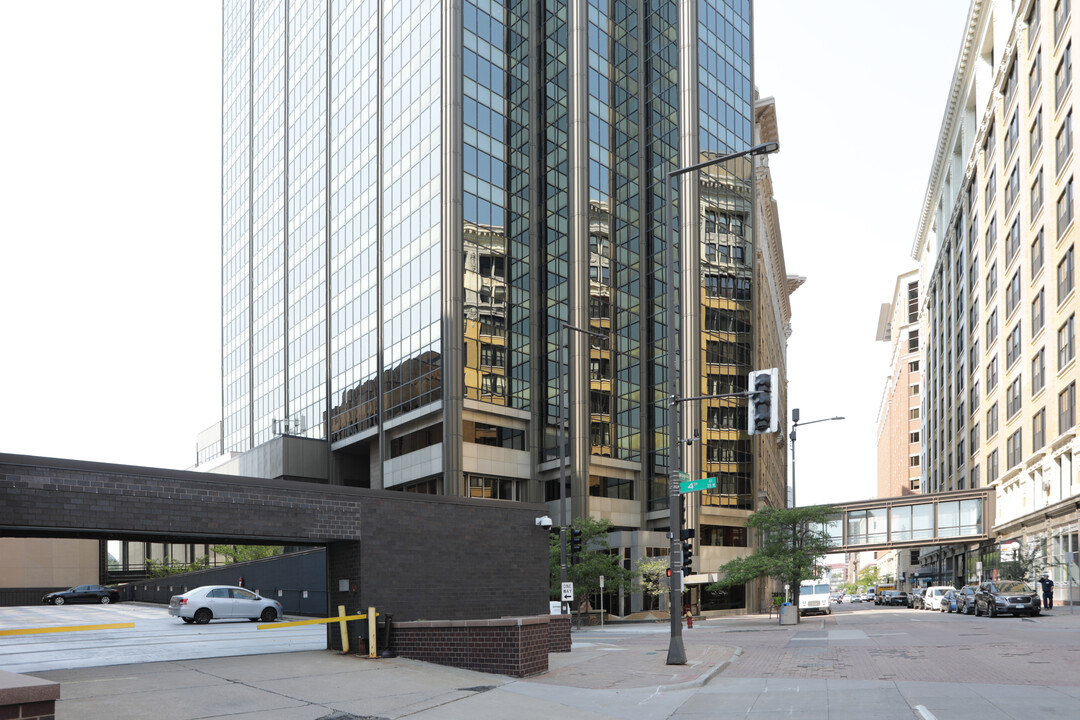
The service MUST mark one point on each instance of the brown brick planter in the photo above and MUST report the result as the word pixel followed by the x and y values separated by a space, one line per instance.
pixel 515 646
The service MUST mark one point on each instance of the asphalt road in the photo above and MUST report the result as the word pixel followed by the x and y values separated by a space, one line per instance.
pixel 155 637
pixel 863 661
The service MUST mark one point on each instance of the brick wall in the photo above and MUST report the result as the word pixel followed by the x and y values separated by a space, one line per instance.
pixel 517 647
pixel 559 633
pixel 27 698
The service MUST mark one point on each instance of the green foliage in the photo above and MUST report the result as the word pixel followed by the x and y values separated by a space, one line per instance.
pixel 596 557
pixel 1022 564
pixel 653 579
pixel 243 553
pixel 794 540
pixel 869 577
pixel 162 568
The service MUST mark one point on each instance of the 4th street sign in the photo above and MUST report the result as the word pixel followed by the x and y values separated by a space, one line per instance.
pixel 695 485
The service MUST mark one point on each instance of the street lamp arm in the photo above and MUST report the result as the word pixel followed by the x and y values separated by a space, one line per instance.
pixel 811 422
pixel 762 149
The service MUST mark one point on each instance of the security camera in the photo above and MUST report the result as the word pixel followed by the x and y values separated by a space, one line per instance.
pixel 543 521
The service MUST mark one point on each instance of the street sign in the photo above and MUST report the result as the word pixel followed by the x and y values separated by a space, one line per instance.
pixel 695 485
pixel 601 581
pixel 568 591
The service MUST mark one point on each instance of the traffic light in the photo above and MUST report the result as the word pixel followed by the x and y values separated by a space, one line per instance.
pixel 687 558
pixel 764 395
pixel 575 546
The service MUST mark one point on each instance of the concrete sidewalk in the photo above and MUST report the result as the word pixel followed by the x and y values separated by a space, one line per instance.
pixel 318 684
pixel 618 672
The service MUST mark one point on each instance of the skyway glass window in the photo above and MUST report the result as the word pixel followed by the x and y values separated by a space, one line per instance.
pixel 912 522
pixel 959 517
pixel 867 526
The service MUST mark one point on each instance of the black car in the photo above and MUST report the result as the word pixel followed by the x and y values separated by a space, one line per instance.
pixel 915 599
pixel 965 599
pixel 83 594
pixel 1006 596
pixel 898 598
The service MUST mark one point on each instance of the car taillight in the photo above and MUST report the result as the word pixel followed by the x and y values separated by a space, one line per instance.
pixel 183 601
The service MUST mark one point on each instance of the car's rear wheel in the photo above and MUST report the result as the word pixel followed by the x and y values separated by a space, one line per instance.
pixel 188 620
pixel 270 615
pixel 105 600
pixel 203 616
pixel 58 601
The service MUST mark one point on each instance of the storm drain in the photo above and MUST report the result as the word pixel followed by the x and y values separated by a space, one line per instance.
pixel 349 716
pixel 478 688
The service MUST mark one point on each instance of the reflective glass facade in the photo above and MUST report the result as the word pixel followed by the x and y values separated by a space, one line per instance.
pixel 411 220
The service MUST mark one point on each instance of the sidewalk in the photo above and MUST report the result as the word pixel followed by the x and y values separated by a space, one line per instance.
pixel 619 671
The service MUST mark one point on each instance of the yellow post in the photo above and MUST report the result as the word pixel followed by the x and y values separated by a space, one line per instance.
pixel 372 629
pixel 344 629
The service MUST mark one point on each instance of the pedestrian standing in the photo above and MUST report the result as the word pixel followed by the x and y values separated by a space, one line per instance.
pixel 1047 591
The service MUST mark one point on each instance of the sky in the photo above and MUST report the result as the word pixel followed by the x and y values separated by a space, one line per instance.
pixel 110 218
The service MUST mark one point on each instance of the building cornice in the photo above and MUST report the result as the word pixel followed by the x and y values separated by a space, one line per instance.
pixel 948 122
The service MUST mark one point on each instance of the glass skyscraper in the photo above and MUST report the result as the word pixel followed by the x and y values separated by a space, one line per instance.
pixel 443 230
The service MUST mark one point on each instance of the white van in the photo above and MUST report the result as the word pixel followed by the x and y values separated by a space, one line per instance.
pixel 814 597
pixel 932 597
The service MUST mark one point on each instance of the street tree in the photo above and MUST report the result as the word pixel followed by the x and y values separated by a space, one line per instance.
pixel 793 542
pixel 869 577
pixel 1019 561
pixel 653 578
pixel 596 560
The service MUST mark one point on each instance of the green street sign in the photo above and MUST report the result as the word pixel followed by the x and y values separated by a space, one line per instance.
pixel 695 485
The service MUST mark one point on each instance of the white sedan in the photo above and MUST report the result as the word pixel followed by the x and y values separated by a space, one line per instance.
pixel 222 602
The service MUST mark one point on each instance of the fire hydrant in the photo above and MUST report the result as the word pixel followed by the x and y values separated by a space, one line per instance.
pixel 689 621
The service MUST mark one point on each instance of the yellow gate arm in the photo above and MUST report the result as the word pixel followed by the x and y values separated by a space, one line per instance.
pixel 370 616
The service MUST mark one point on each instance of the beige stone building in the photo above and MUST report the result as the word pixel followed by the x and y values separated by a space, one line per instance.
pixel 899 419
pixel 996 247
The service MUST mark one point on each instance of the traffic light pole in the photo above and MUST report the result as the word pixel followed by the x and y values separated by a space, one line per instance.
pixel 676 650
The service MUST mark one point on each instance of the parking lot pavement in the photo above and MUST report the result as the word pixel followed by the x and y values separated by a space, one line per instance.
pixel 155 637
pixel 877 665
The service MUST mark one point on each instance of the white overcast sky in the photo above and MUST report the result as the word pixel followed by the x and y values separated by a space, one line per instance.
pixel 110 218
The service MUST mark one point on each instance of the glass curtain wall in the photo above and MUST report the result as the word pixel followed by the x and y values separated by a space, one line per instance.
pixel 354 246
pixel 411 210
pixel 236 218
pixel 306 279
pixel 726 241
pixel 614 268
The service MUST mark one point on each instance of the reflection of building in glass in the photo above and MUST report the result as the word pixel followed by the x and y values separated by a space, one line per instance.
pixel 431 223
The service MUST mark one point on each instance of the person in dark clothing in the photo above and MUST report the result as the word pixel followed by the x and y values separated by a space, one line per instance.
pixel 1047 591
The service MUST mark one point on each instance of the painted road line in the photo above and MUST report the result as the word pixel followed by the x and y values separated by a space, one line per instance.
pixel 68 628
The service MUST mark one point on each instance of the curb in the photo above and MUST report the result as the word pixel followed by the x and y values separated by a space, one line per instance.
pixel 705 678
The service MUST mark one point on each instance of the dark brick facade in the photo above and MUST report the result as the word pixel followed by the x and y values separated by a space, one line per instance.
pixel 417 557
pixel 515 646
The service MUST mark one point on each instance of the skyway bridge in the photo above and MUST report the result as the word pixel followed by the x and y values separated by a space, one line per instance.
pixel 912 521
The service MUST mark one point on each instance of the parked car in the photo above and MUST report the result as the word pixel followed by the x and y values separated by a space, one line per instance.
pixel 965 599
pixel 222 602
pixel 1006 596
pixel 948 601
pixel 914 598
pixel 932 596
pixel 884 598
pixel 899 597
pixel 83 594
